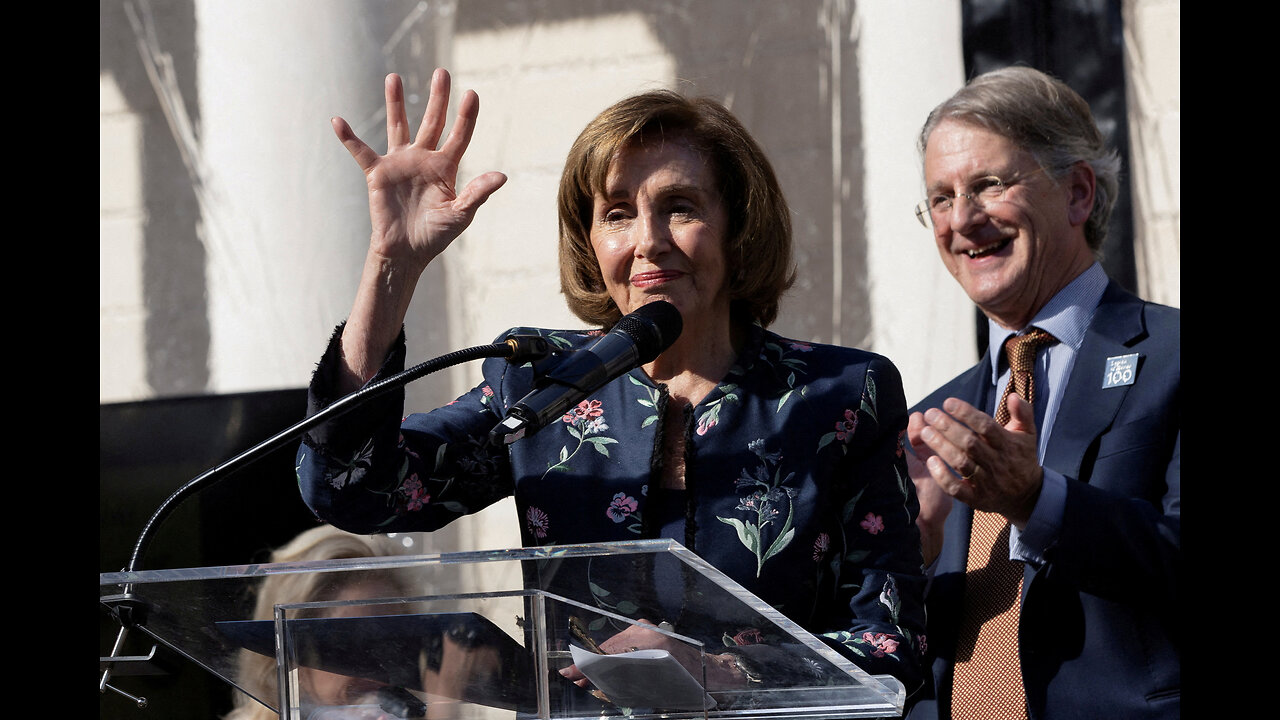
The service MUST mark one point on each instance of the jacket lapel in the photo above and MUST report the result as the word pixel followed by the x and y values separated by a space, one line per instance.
pixel 1087 409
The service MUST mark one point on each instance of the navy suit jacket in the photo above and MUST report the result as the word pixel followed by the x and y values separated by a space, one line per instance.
pixel 1096 634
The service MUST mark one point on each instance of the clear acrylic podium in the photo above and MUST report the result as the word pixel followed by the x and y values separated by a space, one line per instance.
pixel 486 634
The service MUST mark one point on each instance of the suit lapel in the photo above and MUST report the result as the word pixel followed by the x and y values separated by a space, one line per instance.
pixel 1087 409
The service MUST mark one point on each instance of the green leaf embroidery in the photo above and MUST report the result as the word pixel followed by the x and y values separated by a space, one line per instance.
pixel 783 401
pixel 869 397
pixel 749 535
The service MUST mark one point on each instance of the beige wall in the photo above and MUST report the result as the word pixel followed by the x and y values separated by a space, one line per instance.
pixel 1153 66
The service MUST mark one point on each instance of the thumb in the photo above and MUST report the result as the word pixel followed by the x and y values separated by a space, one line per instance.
pixel 478 191
pixel 1022 416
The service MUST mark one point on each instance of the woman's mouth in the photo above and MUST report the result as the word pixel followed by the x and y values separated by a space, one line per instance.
pixel 654 277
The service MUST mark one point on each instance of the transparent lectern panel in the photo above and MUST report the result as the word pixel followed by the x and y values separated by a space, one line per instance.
pixel 501 656
pixel 488 634
pixel 417 658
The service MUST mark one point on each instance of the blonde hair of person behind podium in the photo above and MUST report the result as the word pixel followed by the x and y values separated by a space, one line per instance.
pixel 257 673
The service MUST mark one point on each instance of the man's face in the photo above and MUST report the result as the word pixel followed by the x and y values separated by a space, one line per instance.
pixel 1012 255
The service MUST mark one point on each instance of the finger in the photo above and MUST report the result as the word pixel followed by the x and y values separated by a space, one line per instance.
pixel 437 106
pixel 916 424
pixel 973 418
pixel 1022 416
pixel 917 469
pixel 397 121
pixel 947 479
pixel 942 432
pixel 465 124
pixel 933 493
pixel 948 457
pixel 959 444
pixel 365 156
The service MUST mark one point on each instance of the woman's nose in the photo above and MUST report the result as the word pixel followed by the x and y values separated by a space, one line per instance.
pixel 654 236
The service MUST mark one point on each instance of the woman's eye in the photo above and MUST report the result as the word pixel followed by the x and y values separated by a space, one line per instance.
pixel 683 207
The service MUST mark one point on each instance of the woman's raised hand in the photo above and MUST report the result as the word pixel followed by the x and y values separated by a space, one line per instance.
pixel 415 213
pixel 413 206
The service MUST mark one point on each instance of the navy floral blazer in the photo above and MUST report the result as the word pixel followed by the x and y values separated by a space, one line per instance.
pixel 796 484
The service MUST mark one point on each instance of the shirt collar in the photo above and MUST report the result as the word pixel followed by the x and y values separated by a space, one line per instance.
pixel 1066 316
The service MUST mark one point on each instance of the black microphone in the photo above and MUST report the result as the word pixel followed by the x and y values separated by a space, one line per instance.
pixel 637 339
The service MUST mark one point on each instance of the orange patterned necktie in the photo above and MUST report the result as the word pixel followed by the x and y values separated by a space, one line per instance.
pixel 1021 352
pixel 988 671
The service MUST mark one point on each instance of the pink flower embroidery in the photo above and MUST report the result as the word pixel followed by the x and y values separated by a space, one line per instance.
pixel 488 391
pixel 873 524
pixel 414 494
pixel 820 546
pixel 749 636
pixel 538 522
pixel 417 499
pixel 845 428
pixel 882 643
pixel 707 422
pixel 801 346
pixel 621 507
pixel 586 410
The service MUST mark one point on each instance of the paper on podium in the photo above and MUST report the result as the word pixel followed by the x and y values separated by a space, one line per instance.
pixel 643 679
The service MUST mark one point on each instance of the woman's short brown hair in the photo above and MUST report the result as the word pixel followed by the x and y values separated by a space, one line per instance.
pixel 758 242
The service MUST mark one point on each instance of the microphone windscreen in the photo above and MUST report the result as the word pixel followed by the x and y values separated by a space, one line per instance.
pixel 653 327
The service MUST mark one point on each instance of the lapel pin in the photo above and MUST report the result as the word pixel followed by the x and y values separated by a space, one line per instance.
pixel 1121 370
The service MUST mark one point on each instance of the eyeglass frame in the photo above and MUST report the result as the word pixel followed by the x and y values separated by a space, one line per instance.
pixel 922 208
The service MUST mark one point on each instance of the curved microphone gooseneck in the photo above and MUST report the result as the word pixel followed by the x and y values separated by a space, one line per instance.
pixel 517 349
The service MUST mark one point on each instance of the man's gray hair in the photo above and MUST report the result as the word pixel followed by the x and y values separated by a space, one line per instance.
pixel 1048 119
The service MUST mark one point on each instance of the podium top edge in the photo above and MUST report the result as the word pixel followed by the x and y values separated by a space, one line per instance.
pixel 547 552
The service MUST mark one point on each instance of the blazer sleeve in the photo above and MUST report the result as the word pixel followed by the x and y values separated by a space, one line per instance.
pixel 882 579
pixel 367 472
pixel 1122 547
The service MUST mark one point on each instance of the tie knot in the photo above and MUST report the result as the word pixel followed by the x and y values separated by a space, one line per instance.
pixel 1021 349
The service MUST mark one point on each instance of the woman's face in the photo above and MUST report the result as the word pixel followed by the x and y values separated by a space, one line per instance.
pixel 658 231
pixel 326 689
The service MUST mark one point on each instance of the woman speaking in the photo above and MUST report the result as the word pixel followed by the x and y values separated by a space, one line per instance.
pixel 779 462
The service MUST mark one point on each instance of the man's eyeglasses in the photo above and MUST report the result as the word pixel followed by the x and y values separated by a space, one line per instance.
pixel 983 192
